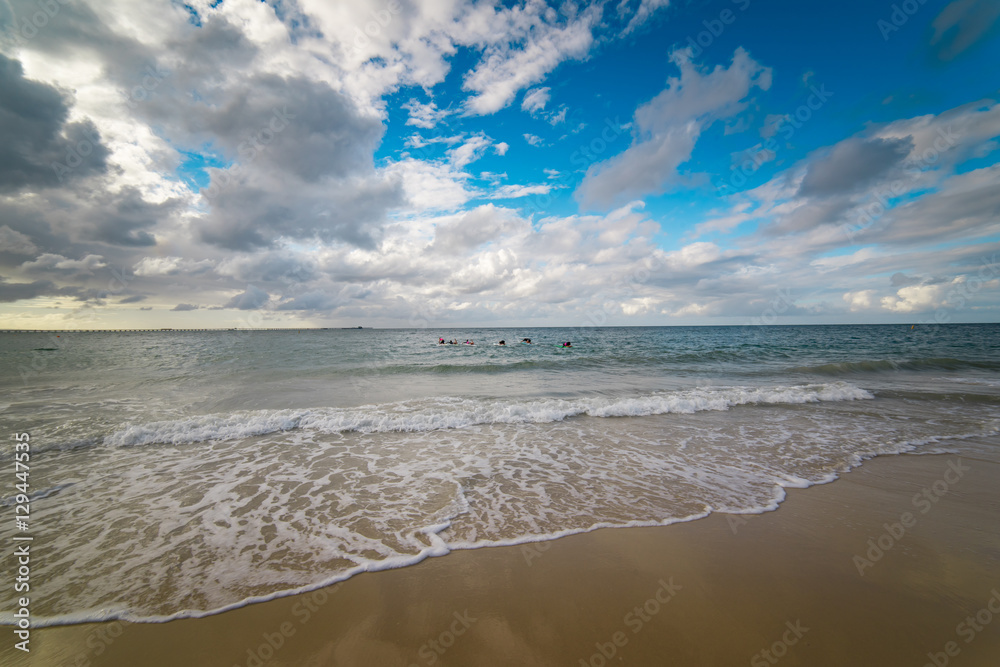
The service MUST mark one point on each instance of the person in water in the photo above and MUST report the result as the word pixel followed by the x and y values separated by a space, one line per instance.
pixel 504 343
pixel 567 344
pixel 468 342
pixel 526 340
pixel 453 342
pixel 440 341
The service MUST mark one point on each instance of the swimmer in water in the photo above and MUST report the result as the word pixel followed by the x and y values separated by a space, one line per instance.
pixel 567 344
pixel 526 340
pixel 504 343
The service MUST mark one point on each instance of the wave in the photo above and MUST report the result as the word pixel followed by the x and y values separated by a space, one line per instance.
pixel 880 365
pixel 452 412
pixel 37 495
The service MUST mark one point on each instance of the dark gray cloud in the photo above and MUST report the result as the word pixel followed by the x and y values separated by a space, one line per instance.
pixel 302 162
pixel 29 218
pixel 281 134
pixel 251 299
pixel 13 242
pixel 303 165
pixel 211 49
pixel 17 291
pixel 74 32
pixel 136 298
pixel 291 125
pixel 853 165
pixel 184 306
pixel 811 214
pixel 275 266
pixel 124 218
pixel 38 148
pixel 255 214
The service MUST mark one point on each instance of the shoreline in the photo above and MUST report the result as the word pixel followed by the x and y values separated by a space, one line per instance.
pixel 863 570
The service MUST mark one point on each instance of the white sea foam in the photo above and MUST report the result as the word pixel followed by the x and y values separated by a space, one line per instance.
pixel 448 412
pixel 315 496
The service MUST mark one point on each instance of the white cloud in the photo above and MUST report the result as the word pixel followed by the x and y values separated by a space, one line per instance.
pixel 514 191
pixel 535 99
pixel 645 9
pixel 859 300
pixel 694 254
pixel 919 298
pixel 170 266
pixel 533 139
pixel 417 141
pixel 430 185
pixel 508 66
pixel 501 148
pixel 426 116
pixel 471 150
pixel 668 127
pixel 557 117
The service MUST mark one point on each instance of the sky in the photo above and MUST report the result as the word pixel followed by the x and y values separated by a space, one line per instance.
pixel 437 163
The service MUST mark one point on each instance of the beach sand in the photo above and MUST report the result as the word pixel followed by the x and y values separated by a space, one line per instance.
pixel 802 583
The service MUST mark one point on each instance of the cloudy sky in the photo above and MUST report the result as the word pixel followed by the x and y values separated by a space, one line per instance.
pixel 243 163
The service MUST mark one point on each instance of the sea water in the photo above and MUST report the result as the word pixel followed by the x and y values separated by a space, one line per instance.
pixel 181 473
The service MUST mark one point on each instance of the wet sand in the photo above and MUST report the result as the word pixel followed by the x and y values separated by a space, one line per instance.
pixel 799 586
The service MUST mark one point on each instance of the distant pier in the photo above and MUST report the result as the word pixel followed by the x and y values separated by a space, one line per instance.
pixel 174 330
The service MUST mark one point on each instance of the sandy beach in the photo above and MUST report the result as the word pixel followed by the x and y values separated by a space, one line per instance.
pixel 896 563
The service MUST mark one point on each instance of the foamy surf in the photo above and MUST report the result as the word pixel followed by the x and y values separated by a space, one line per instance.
pixel 227 524
pixel 453 412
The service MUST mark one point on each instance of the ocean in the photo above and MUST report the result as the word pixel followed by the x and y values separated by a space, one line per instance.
pixel 176 474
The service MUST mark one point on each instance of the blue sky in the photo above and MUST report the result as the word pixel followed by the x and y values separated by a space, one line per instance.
pixel 445 163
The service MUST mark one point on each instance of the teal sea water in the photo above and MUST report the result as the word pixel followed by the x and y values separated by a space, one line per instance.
pixel 181 473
